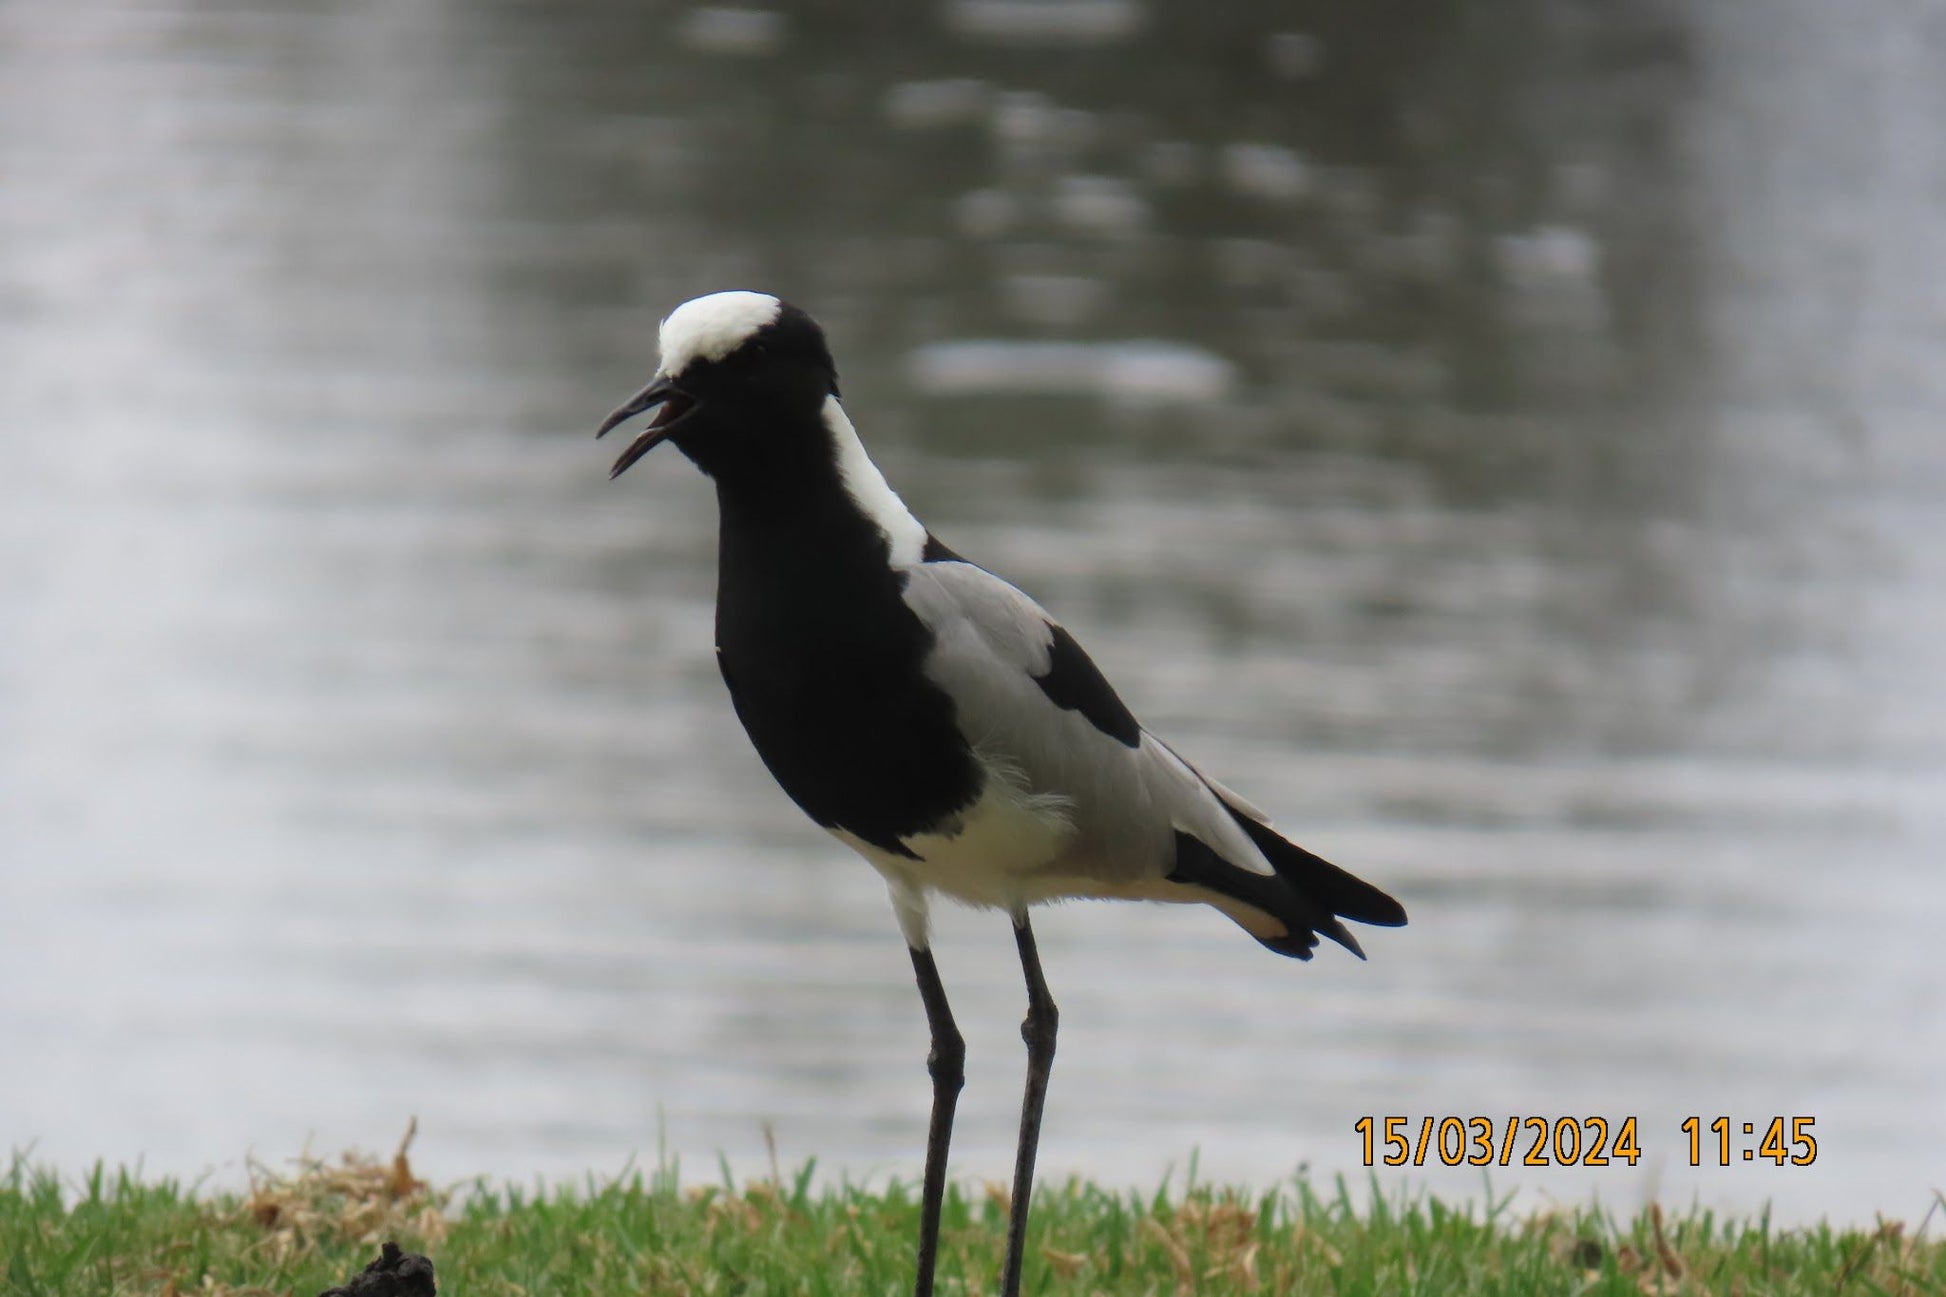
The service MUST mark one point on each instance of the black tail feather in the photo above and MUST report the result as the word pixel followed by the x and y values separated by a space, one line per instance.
pixel 1307 895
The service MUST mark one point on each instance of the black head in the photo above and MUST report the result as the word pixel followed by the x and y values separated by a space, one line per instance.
pixel 741 373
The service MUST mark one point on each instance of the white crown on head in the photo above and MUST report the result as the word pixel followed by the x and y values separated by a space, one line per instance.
pixel 710 328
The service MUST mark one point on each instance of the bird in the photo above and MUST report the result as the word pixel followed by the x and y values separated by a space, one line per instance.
pixel 932 717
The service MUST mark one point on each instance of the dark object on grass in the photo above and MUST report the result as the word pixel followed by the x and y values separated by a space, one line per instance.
pixel 394 1274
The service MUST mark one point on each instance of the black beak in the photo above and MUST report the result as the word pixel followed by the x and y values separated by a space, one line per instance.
pixel 676 406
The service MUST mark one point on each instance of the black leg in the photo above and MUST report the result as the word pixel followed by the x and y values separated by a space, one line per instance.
pixel 947 1063
pixel 1038 1031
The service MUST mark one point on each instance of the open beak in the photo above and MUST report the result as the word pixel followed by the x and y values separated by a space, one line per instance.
pixel 676 406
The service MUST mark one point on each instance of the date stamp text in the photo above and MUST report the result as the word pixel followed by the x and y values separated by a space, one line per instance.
pixel 1576 1141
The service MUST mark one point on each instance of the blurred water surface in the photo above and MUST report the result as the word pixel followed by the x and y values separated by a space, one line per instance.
pixel 1504 443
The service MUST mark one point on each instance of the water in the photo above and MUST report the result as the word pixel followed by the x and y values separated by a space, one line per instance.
pixel 1508 449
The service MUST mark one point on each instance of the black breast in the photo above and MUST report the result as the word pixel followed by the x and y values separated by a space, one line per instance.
pixel 822 658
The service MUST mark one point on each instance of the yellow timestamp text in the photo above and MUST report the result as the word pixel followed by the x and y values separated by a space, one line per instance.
pixel 1489 1141
pixel 1779 1140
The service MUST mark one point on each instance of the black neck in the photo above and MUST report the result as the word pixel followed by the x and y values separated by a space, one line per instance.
pixel 824 660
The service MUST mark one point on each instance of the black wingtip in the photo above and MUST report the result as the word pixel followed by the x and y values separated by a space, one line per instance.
pixel 1384 911
pixel 1336 890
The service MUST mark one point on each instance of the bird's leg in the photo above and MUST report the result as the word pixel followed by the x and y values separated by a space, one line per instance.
pixel 1038 1031
pixel 947 1063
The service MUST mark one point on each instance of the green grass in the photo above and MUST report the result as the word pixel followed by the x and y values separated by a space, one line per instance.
pixel 112 1233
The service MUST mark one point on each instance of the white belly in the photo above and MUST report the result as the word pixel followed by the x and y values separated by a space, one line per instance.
pixel 998 852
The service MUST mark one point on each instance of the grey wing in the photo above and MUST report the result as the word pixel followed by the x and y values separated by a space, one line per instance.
pixel 1031 703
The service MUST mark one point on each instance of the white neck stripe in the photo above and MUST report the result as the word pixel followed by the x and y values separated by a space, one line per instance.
pixel 867 487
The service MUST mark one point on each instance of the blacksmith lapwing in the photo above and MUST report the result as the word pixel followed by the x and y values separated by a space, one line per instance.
pixel 933 718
